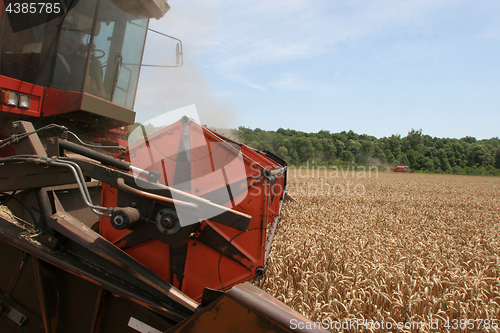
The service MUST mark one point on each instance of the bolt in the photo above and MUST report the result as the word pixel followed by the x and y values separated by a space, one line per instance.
pixel 166 222
pixel 50 239
pixel 118 220
pixel 260 272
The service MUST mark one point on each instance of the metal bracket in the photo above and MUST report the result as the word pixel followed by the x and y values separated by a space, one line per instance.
pixel 32 145
pixel 13 314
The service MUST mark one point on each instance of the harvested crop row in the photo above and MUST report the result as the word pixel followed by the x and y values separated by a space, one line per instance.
pixel 387 247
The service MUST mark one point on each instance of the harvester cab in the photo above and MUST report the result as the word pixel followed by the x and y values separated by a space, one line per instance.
pixel 80 68
pixel 161 237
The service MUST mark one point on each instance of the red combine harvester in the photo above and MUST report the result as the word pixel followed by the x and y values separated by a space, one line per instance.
pixel 402 168
pixel 162 236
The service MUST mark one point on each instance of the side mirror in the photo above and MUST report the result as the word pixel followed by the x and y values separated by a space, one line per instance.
pixel 179 54
pixel 163 57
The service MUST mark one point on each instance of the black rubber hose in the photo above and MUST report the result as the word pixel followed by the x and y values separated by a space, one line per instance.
pixel 103 158
pixel 35 222
pixel 18 158
pixel 9 196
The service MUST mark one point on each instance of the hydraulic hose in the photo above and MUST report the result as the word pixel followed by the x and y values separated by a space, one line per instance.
pixel 95 155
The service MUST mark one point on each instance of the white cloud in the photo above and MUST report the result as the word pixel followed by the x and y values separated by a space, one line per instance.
pixel 492 33
pixel 238 39
pixel 234 37
pixel 289 81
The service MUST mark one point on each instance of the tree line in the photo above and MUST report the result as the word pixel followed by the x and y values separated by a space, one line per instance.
pixel 419 151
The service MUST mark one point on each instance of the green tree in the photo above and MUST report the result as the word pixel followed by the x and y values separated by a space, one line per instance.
pixel 404 159
pixel 497 159
pixel 294 157
pixel 277 141
pixel 443 160
pixel 422 152
pixel 469 139
pixel 427 163
pixel 479 156
pixel 430 152
pixel 254 144
pixel 339 146
pixel 379 154
pixel 394 145
pixel 283 153
pixel 390 157
pixel 352 136
pixel 328 149
pixel 323 134
pixel 414 139
pixel 414 158
pixel 342 137
pixel 347 156
pixel 317 146
pixel 354 146
pixel 304 148
pixel 367 148
pixel 450 154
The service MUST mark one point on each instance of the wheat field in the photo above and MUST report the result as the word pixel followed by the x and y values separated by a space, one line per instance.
pixel 397 252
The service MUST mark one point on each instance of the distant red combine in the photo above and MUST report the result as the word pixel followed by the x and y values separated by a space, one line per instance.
pixel 402 168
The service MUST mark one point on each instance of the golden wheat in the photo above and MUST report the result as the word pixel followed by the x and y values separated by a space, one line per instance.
pixel 397 248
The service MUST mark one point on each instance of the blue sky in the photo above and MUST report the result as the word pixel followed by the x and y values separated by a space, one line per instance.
pixel 374 67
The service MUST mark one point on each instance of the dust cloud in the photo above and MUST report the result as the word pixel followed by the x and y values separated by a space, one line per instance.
pixel 166 89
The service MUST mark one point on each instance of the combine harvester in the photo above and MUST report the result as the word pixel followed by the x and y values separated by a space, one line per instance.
pixel 160 237
pixel 402 168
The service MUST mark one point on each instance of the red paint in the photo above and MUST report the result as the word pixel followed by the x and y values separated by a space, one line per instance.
pixel 21 87
pixel 205 267
pixel 401 168
pixel 60 101
pixel 114 136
